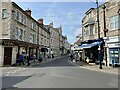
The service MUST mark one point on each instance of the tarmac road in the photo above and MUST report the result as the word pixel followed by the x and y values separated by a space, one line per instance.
pixel 59 73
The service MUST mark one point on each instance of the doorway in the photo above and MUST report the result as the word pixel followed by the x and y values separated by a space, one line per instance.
pixel 7 55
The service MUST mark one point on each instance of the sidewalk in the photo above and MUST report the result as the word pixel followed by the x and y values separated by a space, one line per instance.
pixel 92 66
pixel 6 71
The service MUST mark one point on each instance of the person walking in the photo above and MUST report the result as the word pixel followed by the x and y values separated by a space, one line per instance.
pixel 34 57
pixel 28 60
pixel 21 59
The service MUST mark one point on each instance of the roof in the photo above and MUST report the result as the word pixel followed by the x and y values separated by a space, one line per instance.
pixel 89 10
pixel 89 21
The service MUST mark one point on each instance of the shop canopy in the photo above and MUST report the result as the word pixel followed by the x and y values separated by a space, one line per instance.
pixel 85 46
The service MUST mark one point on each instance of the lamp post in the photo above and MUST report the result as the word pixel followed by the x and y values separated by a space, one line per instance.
pixel 105 30
pixel 99 52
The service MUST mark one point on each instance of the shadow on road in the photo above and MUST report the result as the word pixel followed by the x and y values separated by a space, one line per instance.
pixel 9 81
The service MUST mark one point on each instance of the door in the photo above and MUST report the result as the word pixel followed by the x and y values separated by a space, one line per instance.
pixel 7 55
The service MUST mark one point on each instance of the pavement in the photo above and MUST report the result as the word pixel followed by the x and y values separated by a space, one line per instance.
pixel 93 67
pixel 6 71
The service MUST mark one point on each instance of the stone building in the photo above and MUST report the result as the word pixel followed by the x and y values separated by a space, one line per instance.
pixel 54 39
pixel 109 35
pixel 19 32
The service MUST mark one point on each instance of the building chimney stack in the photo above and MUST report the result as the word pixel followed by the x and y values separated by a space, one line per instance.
pixel 28 11
pixel 40 21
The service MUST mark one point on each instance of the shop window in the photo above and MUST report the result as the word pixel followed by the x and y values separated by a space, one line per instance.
pixel 114 54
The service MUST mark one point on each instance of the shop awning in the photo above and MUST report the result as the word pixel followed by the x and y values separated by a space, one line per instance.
pixel 85 46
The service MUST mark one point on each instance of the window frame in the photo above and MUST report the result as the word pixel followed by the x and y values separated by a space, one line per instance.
pixel 114 22
pixel 4 13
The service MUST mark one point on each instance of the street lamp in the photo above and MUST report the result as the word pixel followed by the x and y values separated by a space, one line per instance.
pixel 99 49
pixel 105 30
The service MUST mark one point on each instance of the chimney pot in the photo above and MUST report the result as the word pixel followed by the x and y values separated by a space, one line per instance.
pixel 40 21
pixel 28 11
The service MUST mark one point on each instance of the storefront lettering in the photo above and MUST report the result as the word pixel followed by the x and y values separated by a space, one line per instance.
pixel 8 43
pixel 117 44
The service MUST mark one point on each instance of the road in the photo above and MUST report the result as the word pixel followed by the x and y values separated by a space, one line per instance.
pixel 59 73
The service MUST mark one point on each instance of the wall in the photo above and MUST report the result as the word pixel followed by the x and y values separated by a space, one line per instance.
pixel 1 55
pixel 14 53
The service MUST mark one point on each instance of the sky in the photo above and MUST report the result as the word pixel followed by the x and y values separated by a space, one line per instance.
pixel 67 14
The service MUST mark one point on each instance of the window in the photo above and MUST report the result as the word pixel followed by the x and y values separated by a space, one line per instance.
pixel 41 40
pixel 114 54
pixel 24 19
pixel 91 29
pixel 34 39
pixel 24 35
pixel 21 34
pixel 114 22
pixel 17 33
pixel 4 13
pixel 33 26
pixel 20 18
pixel 17 16
pixel 87 31
pixel 13 14
pixel 31 38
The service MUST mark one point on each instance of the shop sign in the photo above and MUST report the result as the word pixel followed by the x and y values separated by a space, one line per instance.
pixel 8 43
pixel 117 44
pixel 114 45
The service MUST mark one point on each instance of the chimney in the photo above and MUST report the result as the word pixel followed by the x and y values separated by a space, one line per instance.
pixel 28 11
pixel 40 21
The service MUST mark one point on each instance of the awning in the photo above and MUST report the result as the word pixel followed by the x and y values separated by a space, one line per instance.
pixel 85 46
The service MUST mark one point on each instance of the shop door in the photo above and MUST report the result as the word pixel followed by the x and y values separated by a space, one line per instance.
pixel 7 55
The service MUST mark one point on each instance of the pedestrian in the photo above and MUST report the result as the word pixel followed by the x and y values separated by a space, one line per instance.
pixel 34 57
pixel 40 58
pixel 71 56
pixel 21 59
pixel 52 56
pixel 28 60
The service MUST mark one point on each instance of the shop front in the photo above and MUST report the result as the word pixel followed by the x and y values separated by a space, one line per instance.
pixel 90 50
pixel 113 49
pixel 10 50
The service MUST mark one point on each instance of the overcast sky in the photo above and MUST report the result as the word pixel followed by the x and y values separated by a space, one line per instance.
pixel 67 14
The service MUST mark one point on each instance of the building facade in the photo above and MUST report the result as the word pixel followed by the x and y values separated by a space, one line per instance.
pixel 20 32
pixel 109 19
pixel 54 39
